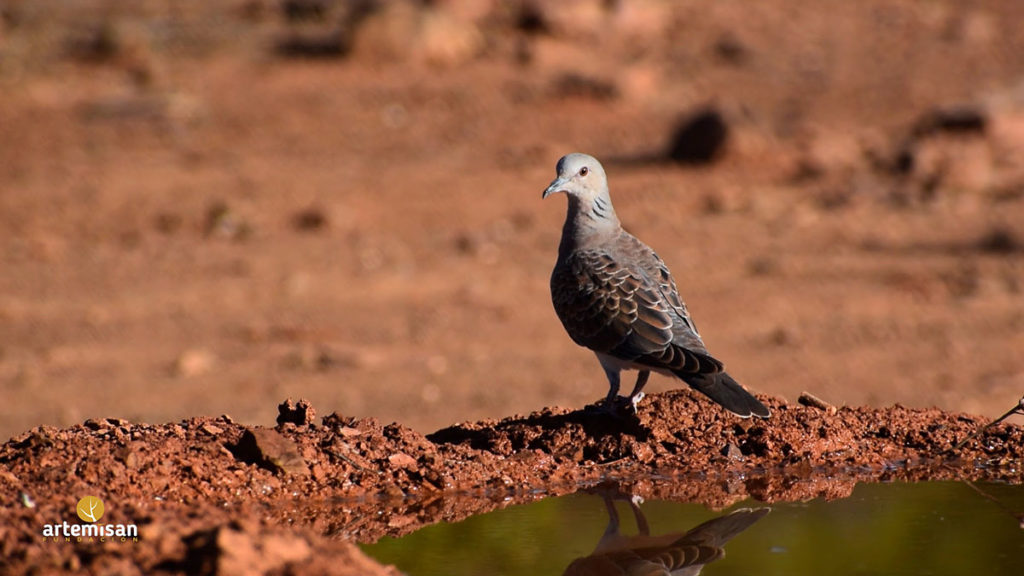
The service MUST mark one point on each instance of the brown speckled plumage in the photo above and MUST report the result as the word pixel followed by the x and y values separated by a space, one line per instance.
pixel 615 296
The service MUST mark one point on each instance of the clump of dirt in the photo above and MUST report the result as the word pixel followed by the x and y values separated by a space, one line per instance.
pixel 213 496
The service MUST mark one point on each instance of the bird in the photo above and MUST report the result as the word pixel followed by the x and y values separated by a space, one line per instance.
pixel 615 296
pixel 668 554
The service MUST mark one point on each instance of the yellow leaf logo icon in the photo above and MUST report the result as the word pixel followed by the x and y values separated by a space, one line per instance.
pixel 90 509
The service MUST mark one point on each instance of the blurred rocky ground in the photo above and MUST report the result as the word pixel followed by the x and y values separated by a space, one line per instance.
pixel 207 206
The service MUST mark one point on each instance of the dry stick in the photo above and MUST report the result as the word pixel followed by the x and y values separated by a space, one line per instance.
pixel 808 399
pixel 1018 409
pixel 354 463
pixel 606 463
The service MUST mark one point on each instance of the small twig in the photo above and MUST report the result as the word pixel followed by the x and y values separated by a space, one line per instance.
pixel 605 463
pixel 353 462
pixel 808 399
pixel 1018 409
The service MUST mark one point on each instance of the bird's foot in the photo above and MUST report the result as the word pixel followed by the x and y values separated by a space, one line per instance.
pixel 634 401
pixel 627 404
pixel 607 407
pixel 618 406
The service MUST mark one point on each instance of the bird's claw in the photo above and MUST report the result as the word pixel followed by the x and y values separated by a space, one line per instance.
pixel 619 406
pixel 634 401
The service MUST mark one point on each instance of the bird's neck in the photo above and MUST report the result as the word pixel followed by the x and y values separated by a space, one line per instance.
pixel 588 221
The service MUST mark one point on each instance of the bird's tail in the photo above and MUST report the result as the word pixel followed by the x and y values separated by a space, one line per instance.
pixel 717 531
pixel 727 392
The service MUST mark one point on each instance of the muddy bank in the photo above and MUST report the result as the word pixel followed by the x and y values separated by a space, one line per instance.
pixel 211 495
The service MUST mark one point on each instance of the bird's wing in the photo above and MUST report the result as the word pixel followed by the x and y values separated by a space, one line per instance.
pixel 684 331
pixel 622 301
pixel 664 561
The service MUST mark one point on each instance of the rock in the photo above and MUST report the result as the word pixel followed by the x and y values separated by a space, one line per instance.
pixel 241 553
pixel 320 29
pixel 530 19
pixel 194 363
pixel 269 449
pixel 573 84
pixel 300 413
pixel 447 41
pixel 231 549
pixel 309 220
pixel 824 154
pixel 129 456
pixel 1001 241
pixel 641 21
pixel 732 452
pixel 957 119
pixel 305 10
pixel 407 31
pixel 699 138
pixel 400 460
pixel 569 18
pixel 953 162
pixel 731 50
pixel 211 429
pixel 223 222
pixel 321 45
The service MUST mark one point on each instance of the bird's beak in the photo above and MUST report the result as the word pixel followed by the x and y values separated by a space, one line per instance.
pixel 557 185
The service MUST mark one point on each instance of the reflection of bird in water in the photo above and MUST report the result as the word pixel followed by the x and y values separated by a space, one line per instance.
pixel 667 555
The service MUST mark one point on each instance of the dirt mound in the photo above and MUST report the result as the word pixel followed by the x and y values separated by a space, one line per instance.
pixel 212 496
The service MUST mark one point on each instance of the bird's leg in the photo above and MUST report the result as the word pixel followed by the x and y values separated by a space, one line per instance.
pixel 613 384
pixel 613 517
pixel 641 520
pixel 611 404
pixel 637 394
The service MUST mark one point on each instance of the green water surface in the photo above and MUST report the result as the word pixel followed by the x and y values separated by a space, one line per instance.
pixel 930 528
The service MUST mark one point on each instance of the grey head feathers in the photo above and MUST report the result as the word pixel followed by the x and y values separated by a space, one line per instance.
pixel 590 211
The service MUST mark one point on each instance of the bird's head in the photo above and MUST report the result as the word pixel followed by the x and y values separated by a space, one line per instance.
pixel 580 176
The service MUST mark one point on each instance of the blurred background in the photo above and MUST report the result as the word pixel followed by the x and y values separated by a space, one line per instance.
pixel 209 206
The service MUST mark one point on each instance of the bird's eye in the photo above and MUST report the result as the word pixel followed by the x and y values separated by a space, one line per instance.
pixel 584 171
